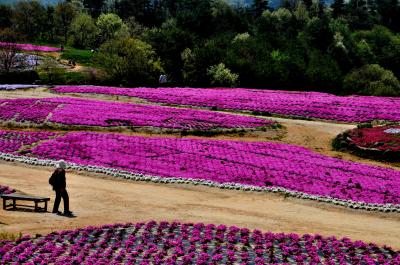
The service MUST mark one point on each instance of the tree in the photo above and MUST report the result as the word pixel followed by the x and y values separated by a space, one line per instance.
pixel 372 80
pixel 222 76
pixel 323 72
pixel 28 18
pixel 338 8
pixel 95 7
pixel 360 17
pixel 389 12
pixel 308 3
pixel 130 62
pixel 111 26
pixel 8 56
pixel 259 6
pixel 83 31
pixel 5 16
pixel 63 16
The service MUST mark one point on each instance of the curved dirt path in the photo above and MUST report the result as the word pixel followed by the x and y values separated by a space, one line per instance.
pixel 99 200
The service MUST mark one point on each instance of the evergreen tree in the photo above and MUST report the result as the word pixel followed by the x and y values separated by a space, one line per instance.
pixel 359 14
pixel 389 13
pixel 338 8
pixel 308 3
pixel 259 6
pixel 95 7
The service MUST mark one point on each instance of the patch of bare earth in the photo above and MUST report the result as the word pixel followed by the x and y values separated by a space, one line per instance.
pixel 98 200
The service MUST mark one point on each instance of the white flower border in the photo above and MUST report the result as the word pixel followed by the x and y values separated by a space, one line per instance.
pixel 227 185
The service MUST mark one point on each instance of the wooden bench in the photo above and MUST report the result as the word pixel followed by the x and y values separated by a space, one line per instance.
pixel 20 197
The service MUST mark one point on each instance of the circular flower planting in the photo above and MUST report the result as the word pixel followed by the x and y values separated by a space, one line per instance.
pixel 382 142
pixel 187 243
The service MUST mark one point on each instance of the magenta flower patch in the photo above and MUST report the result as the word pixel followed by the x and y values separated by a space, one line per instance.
pixel 189 243
pixel 252 163
pixel 30 47
pixel 299 104
pixel 71 111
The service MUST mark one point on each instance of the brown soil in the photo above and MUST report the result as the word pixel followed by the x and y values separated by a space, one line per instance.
pixel 99 200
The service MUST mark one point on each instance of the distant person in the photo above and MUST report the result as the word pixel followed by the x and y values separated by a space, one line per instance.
pixel 58 181
pixel 62 47
pixel 162 80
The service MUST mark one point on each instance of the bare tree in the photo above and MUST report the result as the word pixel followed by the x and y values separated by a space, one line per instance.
pixel 8 56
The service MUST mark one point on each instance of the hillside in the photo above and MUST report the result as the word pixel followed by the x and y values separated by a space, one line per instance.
pixel 273 3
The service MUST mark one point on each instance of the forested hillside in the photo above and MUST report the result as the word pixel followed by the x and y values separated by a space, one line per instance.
pixel 348 47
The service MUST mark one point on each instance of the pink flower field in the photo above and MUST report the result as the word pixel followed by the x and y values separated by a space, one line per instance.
pixel 189 243
pixel 298 104
pixel 72 111
pixel 30 47
pixel 12 141
pixel 246 163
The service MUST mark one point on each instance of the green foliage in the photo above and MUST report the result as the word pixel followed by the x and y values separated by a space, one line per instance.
pixel 83 31
pixel 51 73
pixel 372 80
pixel 28 18
pixel 5 16
pixel 323 71
pixel 130 62
pixel 63 16
pixel 83 57
pixel 111 26
pixel 222 76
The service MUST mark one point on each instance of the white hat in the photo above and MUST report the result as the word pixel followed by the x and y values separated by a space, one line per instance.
pixel 61 164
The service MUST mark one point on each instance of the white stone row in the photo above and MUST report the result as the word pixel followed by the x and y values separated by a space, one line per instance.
pixel 227 185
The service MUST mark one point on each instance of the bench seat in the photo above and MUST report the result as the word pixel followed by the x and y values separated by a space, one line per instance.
pixel 21 197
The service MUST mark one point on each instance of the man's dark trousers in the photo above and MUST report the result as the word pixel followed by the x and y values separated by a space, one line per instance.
pixel 64 195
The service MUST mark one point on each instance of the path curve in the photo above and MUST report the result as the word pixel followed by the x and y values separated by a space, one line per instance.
pixel 99 200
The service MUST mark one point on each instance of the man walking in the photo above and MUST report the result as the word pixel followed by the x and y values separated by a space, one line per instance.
pixel 57 180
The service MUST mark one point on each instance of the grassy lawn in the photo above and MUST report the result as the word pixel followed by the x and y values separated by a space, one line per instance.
pixel 82 57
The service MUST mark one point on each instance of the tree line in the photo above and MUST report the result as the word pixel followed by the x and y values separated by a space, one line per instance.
pixel 347 47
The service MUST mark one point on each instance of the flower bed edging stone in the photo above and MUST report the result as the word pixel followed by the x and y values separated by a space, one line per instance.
pixel 231 186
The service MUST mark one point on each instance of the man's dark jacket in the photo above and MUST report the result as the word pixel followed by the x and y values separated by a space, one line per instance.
pixel 57 179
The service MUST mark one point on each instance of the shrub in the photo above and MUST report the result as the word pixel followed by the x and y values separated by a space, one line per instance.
pixel 222 76
pixel 372 80
pixel 130 61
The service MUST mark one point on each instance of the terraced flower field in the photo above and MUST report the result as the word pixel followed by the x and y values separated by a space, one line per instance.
pixel 82 112
pixel 242 165
pixel 298 104
pixel 189 243
pixel 12 141
pixel 30 47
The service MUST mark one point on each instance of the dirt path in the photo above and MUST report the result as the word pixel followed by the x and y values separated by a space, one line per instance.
pixel 100 200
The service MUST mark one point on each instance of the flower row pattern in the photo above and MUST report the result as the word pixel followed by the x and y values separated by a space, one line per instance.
pixel 298 104
pixel 72 111
pixel 12 141
pixel 30 47
pixel 189 243
pixel 231 164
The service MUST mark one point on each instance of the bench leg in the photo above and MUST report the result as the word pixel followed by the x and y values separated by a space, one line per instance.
pixel 45 206
pixel 4 204
pixel 36 206
pixel 14 204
